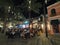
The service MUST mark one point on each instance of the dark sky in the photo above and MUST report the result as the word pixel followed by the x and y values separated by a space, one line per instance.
pixel 25 10
pixel 18 2
pixel 51 2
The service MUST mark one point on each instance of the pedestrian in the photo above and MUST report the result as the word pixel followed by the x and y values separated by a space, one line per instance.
pixel 13 34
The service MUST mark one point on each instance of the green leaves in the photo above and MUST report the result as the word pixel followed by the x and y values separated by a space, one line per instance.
pixel 35 7
pixel 5 2
pixel 57 0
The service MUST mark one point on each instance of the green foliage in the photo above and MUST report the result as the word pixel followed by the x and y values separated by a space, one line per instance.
pixel 57 0
pixel 35 6
pixel 5 2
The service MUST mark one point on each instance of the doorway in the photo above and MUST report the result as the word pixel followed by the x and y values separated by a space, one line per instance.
pixel 55 25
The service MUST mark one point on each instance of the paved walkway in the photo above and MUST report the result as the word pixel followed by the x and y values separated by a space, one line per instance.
pixel 42 40
pixel 38 40
pixel 55 38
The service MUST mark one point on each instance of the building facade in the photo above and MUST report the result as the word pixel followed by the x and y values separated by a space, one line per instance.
pixel 54 17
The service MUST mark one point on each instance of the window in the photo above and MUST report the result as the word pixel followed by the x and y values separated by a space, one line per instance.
pixel 53 12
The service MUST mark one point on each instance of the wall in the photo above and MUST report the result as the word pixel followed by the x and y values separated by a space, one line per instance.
pixel 54 6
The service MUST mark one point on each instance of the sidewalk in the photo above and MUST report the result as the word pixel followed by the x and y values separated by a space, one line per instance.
pixel 55 39
pixel 42 40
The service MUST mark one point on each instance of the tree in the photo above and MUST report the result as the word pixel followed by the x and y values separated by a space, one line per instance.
pixel 4 4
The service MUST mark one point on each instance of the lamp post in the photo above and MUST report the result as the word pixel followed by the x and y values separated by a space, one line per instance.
pixel 46 20
pixel 44 8
pixel 29 8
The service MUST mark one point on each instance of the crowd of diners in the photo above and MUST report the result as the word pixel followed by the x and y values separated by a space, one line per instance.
pixel 21 33
pixel 24 33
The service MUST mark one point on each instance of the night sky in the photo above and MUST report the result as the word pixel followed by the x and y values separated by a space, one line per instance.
pixel 25 10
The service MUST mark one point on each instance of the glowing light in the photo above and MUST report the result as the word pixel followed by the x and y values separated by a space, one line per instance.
pixel 23 26
pixel 29 7
pixel 10 25
pixel 42 25
pixel 48 26
pixel 26 22
pixel 39 19
pixel 30 26
pixel 9 7
pixel 8 10
pixel 1 26
pixel 45 1
pixel 30 2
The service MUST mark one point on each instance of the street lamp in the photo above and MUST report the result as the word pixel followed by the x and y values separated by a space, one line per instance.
pixel 29 1
pixel 29 8
pixel 9 8
pixel 45 18
pixel 46 1
pixel 44 8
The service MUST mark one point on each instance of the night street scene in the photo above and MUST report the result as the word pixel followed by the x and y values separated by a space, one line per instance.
pixel 29 22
